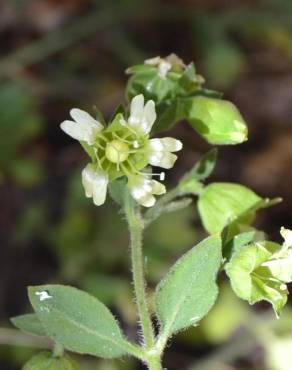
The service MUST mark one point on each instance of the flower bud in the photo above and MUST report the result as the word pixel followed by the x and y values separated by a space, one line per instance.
pixel 46 361
pixel 218 121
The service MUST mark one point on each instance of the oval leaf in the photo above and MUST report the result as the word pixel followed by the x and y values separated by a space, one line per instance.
pixel 189 290
pixel 77 320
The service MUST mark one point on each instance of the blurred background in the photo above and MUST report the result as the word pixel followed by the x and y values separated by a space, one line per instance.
pixel 59 54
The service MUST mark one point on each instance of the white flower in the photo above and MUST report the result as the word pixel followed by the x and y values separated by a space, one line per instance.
pixel 280 263
pixel 143 188
pixel 95 184
pixel 160 151
pixel 83 128
pixel 123 148
pixel 141 117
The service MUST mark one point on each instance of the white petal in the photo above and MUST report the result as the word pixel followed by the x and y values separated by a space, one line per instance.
pixel 84 118
pixel 136 109
pixel 162 159
pixel 163 68
pixel 84 128
pixel 142 188
pixel 287 235
pixel 95 184
pixel 74 130
pixel 153 61
pixel 165 144
pixel 149 115
pixel 158 188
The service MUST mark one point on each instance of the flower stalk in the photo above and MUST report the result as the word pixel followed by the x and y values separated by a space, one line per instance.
pixel 135 223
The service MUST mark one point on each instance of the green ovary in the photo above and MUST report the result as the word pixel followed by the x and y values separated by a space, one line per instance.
pixel 116 151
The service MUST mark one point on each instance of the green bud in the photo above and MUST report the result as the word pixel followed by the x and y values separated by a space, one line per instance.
pixel 46 361
pixel 218 121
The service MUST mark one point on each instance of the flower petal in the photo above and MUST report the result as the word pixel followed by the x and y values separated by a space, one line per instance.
pixel 142 190
pixel 84 118
pixel 74 130
pixel 84 128
pixel 162 159
pixel 149 115
pixel 142 117
pixel 95 184
pixel 136 110
pixel 165 144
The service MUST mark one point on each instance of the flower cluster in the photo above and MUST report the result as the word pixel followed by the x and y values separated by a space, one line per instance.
pixel 123 148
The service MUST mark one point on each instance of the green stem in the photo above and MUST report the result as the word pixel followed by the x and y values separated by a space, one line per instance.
pixel 58 350
pixel 154 363
pixel 136 229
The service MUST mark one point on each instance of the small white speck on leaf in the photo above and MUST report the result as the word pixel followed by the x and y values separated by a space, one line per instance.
pixel 43 295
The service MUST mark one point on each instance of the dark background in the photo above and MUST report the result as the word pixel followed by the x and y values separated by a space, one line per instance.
pixel 55 55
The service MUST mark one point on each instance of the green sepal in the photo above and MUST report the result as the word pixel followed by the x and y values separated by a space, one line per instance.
pixel 89 150
pixel 217 121
pixel 251 278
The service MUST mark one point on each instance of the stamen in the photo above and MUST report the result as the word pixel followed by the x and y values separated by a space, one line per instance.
pixel 135 144
pixel 121 138
pixel 97 158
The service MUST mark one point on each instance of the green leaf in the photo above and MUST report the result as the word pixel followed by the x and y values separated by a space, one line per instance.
pixel 29 323
pixel 189 290
pixel 252 279
pixel 221 203
pixel 201 170
pixel 217 121
pixel 46 361
pixel 78 321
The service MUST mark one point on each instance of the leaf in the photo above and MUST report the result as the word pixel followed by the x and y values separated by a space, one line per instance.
pixel 29 323
pixel 78 321
pixel 201 170
pixel 217 121
pixel 221 203
pixel 189 290
pixel 252 279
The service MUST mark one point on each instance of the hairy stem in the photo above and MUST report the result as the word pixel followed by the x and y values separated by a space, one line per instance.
pixel 136 229
pixel 154 363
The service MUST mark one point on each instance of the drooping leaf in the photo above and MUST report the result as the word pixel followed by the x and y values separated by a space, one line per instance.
pixel 217 121
pixel 189 290
pixel 78 321
pixel 29 323
pixel 221 203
